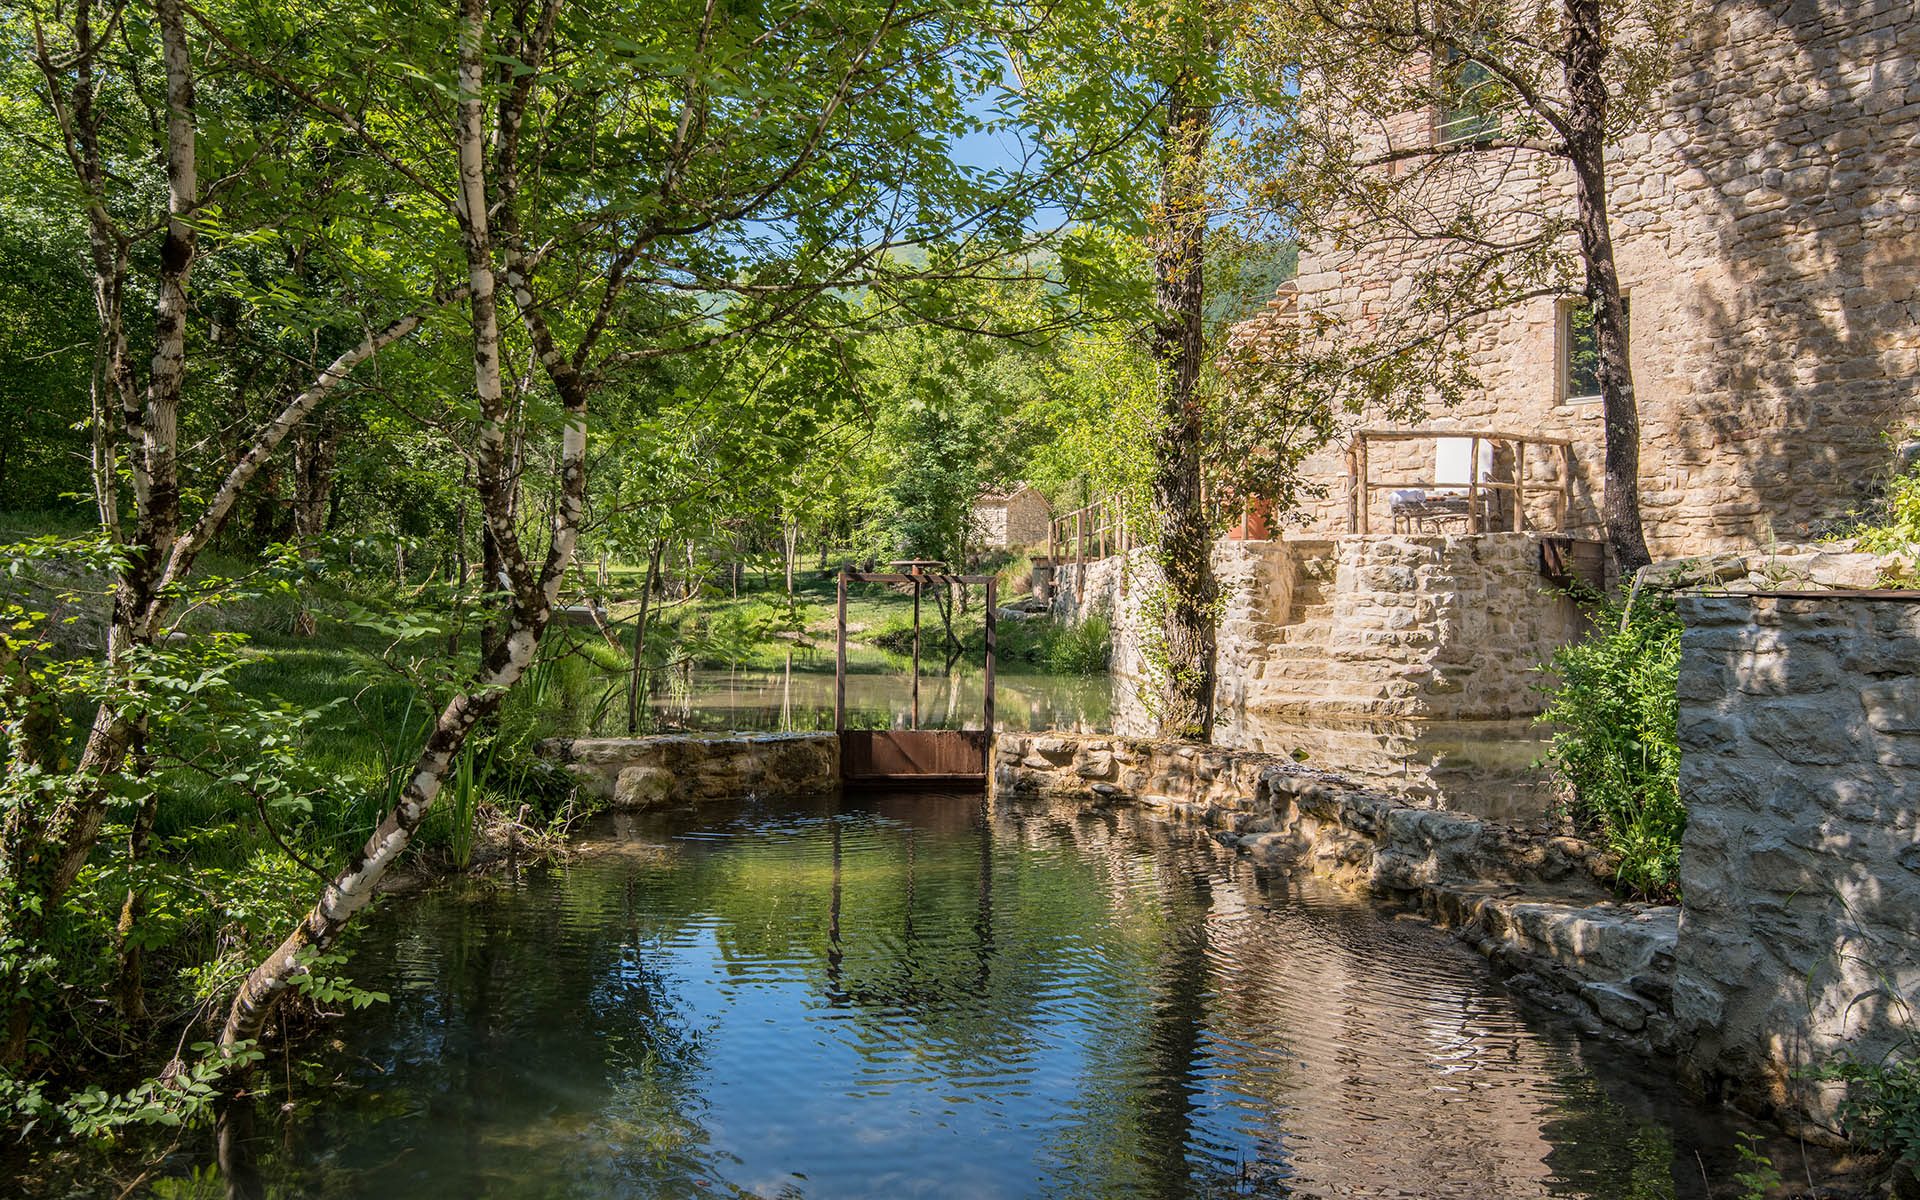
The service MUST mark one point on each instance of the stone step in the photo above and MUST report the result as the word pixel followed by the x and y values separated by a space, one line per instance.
pixel 1303 637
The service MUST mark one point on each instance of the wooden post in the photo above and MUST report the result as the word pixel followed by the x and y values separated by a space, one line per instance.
pixel 992 600
pixel 1520 485
pixel 1080 543
pixel 1103 529
pixel 1566 487
pixel 916 649
pixel 840 657
pixel 1365 495
pixel 1473 485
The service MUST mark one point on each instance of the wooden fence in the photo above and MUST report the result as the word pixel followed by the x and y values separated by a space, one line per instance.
pixel 1474 491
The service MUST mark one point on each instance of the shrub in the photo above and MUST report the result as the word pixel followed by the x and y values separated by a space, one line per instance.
pixel 895 635
pixel 1895 530
pixel 1084 648
pixel 1882 1110
pixel 1614 743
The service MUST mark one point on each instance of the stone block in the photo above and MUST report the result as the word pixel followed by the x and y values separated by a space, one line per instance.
pixel 1698 1004
pixel 1893 706
pixel 1781 671
pixel 1618 1006
pixel 1707 732
pixel 1097 764
pixel 1808 732
pixel 642 787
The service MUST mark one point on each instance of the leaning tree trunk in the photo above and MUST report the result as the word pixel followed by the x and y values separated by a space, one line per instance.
pixel 44 852
pixel 1586 148
pixel 1184 545
pixel 532 591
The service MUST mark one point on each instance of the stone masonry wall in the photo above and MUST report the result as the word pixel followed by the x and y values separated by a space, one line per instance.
pixel 682 770
pixel 1800 939
pixel 1768 235
pixel 1433 626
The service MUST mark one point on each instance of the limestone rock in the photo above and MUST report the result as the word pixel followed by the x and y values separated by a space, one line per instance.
pixel 642 787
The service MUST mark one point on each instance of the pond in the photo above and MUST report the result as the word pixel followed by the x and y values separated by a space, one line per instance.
pixel 939 996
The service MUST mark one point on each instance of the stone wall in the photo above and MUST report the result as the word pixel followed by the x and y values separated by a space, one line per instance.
pixel 1434 626
pixel 1536 905
pixel 1800 735
pixel 1009 522
pixel 676 770
pixel 1768 234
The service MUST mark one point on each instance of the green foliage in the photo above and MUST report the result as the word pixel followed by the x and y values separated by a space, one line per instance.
pixel 1081 648
pixel 1615 746
pixel 1894 528
pixel 183 1094
pixel 1757 1177
pixel 1881 1112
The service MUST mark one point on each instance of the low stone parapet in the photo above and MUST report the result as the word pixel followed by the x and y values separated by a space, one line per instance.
pixel 680 770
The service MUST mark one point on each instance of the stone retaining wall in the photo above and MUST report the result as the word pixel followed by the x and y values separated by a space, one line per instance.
pixel 1800 741
pixel 676 770
pixel 1536 905
pixel 1433 626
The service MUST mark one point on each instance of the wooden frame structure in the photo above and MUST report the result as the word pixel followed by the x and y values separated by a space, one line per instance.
pixel 1092 532
pixel 912 756
pixel 1361 485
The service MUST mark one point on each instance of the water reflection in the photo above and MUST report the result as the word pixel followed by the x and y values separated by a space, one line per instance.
pixel 1488 769
pixel 934 996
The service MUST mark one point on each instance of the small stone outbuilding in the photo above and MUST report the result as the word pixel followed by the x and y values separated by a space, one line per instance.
pixel 1009 518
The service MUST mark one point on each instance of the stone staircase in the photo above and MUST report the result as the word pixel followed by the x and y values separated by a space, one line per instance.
pixel 1297 670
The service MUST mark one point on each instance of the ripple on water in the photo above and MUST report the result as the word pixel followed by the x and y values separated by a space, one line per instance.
pixel 923 996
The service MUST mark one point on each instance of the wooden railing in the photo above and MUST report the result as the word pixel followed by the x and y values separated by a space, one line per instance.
pixel 1093 532
pixel 1361 485
pixel 1102 528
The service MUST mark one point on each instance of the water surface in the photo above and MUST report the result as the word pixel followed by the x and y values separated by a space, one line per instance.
pixel 937 996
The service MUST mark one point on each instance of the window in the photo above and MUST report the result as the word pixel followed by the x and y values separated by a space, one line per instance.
pixel 1467 98
pixel 1580 350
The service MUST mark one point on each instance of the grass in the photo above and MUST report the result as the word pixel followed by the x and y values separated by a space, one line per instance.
pixel 761 626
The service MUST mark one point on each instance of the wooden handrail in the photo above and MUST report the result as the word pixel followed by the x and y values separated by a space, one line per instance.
pixel 1485 435
pixel 1361 485
pixel 1091 531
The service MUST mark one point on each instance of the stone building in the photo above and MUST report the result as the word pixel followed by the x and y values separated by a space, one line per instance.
pixel 1009 518
pixel 1768 237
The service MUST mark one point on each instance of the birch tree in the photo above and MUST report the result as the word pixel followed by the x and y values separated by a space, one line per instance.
pixel 545 201
pixel 640 181
pixel 80 54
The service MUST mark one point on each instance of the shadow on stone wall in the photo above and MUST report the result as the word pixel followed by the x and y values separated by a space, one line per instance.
pixel 1800 941
pixel 1801 119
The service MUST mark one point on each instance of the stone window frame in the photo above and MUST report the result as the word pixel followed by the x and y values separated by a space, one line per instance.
pixel 1563 310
